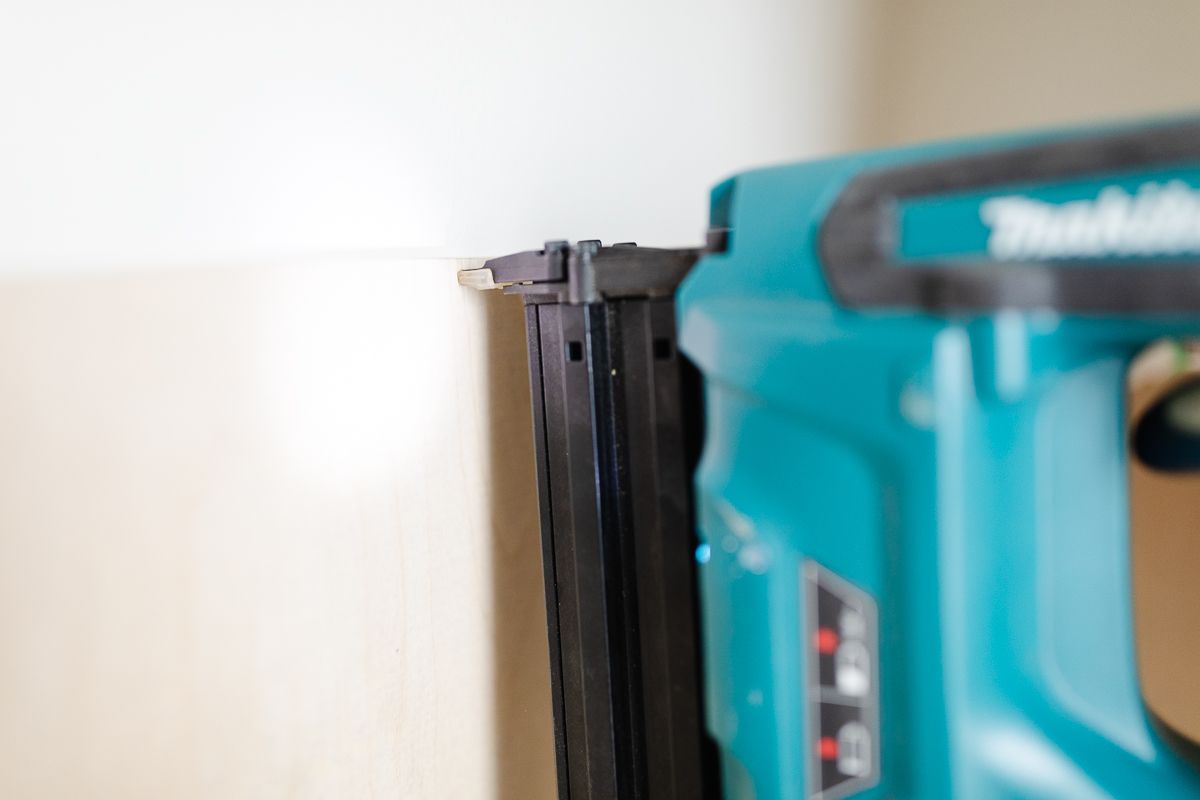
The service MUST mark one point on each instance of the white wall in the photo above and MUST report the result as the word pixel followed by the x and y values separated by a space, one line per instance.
pixel 146 134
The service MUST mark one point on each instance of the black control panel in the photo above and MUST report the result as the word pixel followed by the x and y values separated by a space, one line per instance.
pixel 842 691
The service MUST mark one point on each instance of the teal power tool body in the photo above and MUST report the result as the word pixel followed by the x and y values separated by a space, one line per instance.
pixel 871 537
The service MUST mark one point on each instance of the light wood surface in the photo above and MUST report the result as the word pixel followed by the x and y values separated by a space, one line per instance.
pixel 268 533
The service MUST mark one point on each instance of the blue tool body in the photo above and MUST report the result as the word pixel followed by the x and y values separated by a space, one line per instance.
pixel 953 465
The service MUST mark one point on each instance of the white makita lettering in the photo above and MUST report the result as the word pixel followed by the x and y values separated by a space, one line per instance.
pixel 1159 219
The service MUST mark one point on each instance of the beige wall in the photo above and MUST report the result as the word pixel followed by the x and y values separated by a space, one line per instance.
pixel 939 68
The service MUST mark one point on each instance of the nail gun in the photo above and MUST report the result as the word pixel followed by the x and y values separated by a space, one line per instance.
pixel 837 504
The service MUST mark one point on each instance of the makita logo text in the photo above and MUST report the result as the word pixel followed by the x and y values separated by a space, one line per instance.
pixel 1159 219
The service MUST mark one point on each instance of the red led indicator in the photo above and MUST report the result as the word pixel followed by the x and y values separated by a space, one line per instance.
pixel 827 641
pixel 827 747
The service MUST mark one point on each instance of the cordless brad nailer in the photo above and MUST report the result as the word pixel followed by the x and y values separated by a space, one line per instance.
pixel 838 505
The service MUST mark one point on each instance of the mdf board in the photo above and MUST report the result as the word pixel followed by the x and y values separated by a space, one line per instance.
pixel 269 533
